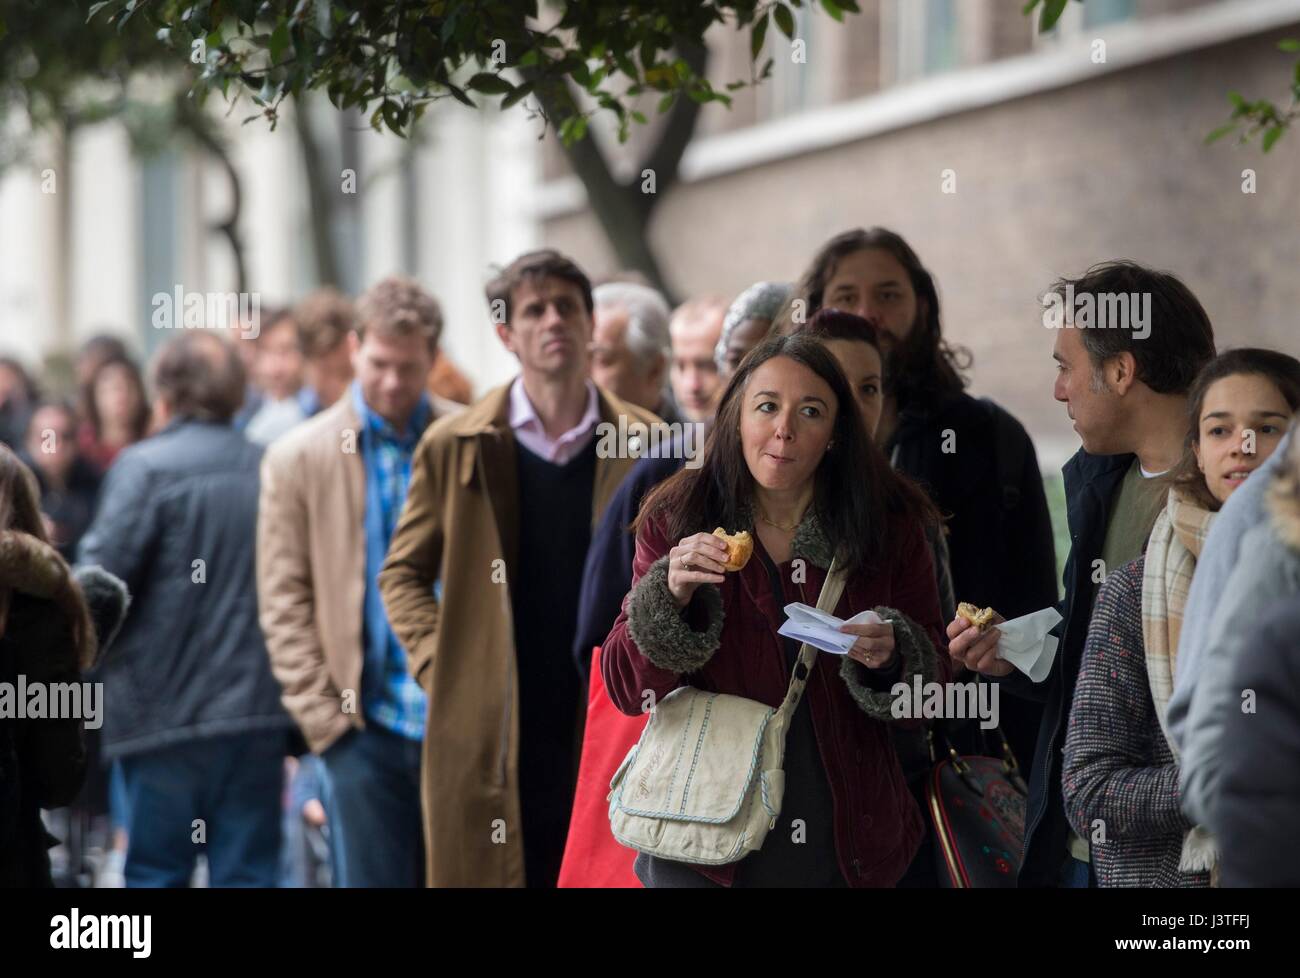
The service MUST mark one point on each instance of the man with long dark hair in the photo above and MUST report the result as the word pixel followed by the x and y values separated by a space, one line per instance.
pixel 974 459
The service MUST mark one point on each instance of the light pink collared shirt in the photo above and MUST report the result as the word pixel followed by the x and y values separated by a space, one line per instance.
pixel 532 435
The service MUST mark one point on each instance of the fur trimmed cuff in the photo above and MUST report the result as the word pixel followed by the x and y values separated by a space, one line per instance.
pixel 919 658
pixel 660 628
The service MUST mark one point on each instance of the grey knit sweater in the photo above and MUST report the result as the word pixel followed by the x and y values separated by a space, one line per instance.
pixel 1120 779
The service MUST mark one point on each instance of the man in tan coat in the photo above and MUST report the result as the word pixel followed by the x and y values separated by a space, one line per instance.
pixel 502 501
pixel 332 490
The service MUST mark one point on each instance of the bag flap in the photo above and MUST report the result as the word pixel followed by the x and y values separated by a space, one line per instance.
pixel 685 764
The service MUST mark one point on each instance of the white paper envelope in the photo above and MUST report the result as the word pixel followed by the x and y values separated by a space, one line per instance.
pixel 820 629
pixel 1026 644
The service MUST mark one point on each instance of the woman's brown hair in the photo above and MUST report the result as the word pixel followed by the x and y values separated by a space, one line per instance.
pixel 139 420
pixel 20 499
pixel 1279 369
pixel 857 496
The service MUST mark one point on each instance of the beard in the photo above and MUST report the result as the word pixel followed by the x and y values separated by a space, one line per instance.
pixel 909 361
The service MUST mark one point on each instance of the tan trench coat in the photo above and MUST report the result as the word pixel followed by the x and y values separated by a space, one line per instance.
pixel 460 526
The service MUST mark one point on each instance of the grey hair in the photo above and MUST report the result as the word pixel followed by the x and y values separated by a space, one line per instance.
pixel 762 300
pixel 647 318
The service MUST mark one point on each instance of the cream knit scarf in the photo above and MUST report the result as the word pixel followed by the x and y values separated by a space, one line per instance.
pixel 1172 552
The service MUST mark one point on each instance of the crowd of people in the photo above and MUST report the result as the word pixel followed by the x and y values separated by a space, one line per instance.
pixel 382 634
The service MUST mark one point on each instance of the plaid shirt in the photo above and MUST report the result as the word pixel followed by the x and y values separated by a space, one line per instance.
pixel 389 697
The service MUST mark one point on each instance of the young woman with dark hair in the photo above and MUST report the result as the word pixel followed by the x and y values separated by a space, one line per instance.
pixel 1121 772
pixel 117 411
pixel 789 460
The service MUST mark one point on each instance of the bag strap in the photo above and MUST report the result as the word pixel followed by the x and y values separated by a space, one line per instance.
pixel 832 588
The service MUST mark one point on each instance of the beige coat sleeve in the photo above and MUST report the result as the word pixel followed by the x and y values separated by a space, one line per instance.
pixel 287 604
pixel 413 562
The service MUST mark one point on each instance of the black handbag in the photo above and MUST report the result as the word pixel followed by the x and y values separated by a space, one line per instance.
pixel 976 806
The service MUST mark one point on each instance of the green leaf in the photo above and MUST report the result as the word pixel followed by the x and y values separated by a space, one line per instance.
pixel 834 10
pixel 573 129
pixel 279 41
pixel 1291 44
pixel 784 20
pixel 1272 136
pixel 520 92
pixel 490 84
pixel 639 117
pixel 1029 6
pixel 756 38
pixel 1052 10
pixel 459 94
pixel 1220 132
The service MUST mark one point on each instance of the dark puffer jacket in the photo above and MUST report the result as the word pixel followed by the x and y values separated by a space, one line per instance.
pixel 177 522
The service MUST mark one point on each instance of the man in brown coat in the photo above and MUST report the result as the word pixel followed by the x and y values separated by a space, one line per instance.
pixel 501 505
pixel 332 490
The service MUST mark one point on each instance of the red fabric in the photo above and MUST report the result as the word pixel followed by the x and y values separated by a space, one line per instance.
pixel 591 856
pixel 878 826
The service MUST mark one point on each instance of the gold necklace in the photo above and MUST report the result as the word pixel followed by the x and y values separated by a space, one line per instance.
pixel 763 516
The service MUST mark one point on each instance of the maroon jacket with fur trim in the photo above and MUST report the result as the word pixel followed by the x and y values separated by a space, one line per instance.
pixel 726 641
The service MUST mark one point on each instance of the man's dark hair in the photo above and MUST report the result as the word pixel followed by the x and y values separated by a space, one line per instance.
pixel 1180 340
pixel 532 266
pixel 272 318
pixel 201 377
pixel 924 367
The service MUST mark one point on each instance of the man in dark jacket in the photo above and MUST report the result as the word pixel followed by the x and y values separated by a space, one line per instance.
pixel 974 459
pixel 1254 821
pixel 1125 389
pixel 193 711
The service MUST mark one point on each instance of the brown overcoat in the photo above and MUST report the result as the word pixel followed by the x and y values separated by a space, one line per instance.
pixel 460 526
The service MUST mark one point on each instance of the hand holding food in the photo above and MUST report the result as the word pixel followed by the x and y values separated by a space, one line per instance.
pixel 697 559
pixel 973 641
pixel 740 547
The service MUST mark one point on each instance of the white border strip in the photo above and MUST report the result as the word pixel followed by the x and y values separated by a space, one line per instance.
pixel 1128 44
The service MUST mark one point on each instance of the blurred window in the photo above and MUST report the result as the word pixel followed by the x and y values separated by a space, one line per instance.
pixel 1098 12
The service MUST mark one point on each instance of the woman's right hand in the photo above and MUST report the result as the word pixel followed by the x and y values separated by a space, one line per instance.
pixel 696 560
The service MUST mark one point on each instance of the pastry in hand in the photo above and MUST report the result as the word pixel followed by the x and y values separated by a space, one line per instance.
pixel 740 546
pixel 981 618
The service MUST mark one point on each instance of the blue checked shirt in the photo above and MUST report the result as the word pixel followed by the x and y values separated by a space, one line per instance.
pixel 389 696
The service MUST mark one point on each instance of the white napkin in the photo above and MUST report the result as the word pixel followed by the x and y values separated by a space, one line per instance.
pixel 1026 644
pixel 820 629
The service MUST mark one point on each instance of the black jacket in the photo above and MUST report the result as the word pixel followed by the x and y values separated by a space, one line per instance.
pixel 70 509
pixel 1091 482
pixel 43 760
pixel 987 482
pixel 190 662
pixel 979 466
pixel 607 573
pixel 1254 822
